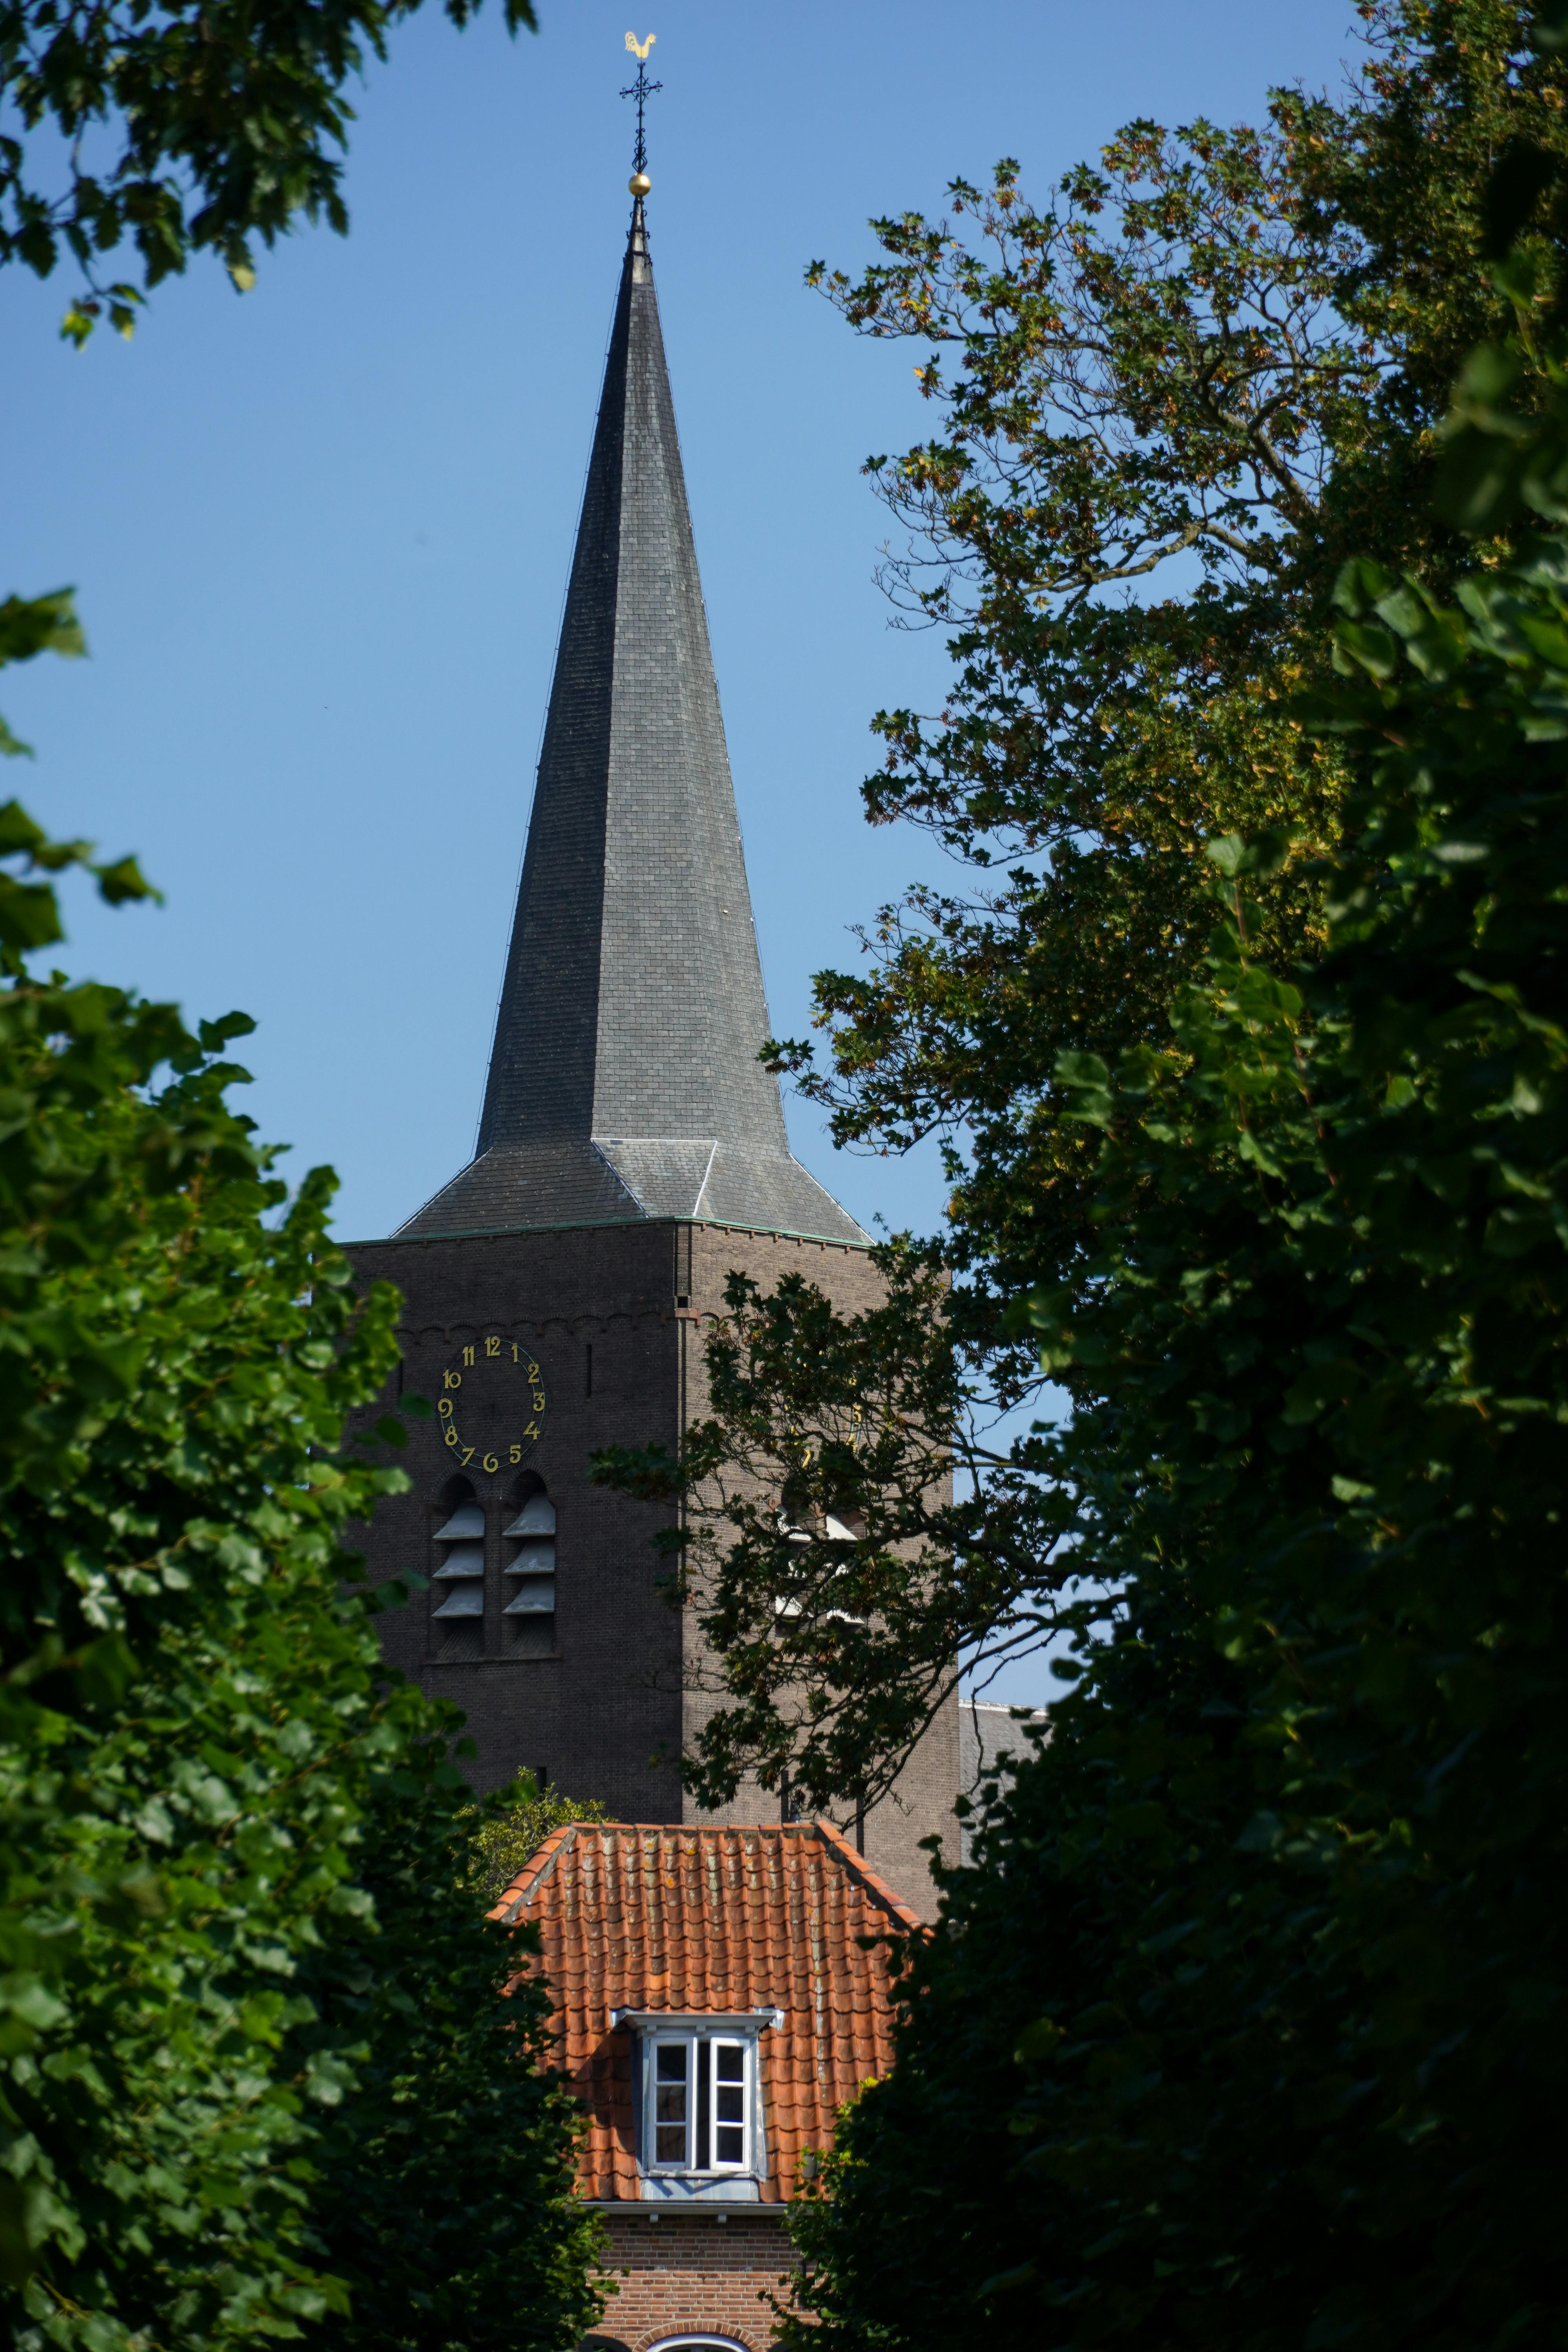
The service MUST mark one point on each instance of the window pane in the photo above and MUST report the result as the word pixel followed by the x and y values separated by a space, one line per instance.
pixel 729 2103
pixel 670 2103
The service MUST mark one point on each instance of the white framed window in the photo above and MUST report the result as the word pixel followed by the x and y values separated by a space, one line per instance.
pixel 699 2092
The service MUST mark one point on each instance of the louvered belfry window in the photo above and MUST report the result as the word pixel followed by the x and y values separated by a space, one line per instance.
pixel 460 1578
pixel 530 1570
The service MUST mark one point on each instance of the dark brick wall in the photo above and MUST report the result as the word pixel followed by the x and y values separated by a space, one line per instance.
pixel 593 1703
pixel 593 1710
pixel 694 2274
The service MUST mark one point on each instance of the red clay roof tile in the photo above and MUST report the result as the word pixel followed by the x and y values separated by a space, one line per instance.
pixel 637 1916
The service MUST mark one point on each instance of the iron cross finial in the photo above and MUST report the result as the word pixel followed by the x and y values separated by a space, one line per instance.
pixel 642 89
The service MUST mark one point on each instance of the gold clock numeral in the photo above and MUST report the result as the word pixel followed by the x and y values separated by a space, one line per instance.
pixel 490 1348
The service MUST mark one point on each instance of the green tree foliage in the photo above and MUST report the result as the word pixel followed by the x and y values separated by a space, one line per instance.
pixel 31 625
pixel 822 1548
pixel 445 2196
pixel 1216 367
pixel 231 1846
pixel 1251 2026
pixel 507 1832
pixel 187 126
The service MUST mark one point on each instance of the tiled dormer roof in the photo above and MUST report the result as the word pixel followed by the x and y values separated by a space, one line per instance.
pixel 721 1921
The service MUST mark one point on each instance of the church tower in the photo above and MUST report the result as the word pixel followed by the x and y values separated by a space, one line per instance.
pixel 631 1152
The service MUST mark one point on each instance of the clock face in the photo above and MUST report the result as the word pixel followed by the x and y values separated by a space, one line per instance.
pixel 491 1406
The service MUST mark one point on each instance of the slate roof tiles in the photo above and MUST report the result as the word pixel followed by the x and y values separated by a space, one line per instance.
pixel 624 1079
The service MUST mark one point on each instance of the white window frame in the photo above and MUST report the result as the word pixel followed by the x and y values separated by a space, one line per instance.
pixel 700 2048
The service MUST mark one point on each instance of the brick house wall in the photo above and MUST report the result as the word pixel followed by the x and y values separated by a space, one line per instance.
pixel 695 2274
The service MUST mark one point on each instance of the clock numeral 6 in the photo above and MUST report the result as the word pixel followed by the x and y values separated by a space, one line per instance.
pixel 492 1462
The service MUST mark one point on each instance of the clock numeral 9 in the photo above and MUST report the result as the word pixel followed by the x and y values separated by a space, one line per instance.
pixel 443 1406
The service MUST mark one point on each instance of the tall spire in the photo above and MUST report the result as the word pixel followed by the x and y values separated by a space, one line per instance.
pixel 623 1078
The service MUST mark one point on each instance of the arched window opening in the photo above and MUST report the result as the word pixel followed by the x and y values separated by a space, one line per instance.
pixel 530 1568
pixel 698 2344
pixel 459 1580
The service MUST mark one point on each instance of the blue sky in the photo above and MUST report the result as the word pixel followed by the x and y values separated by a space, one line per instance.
pixel 320 533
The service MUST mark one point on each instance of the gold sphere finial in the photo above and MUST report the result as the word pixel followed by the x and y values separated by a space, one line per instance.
pixel 639 183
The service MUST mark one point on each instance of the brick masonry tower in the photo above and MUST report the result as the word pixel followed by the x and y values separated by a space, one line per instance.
pixel 631 1152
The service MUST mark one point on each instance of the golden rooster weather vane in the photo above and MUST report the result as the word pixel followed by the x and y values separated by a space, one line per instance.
pixel 642 89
